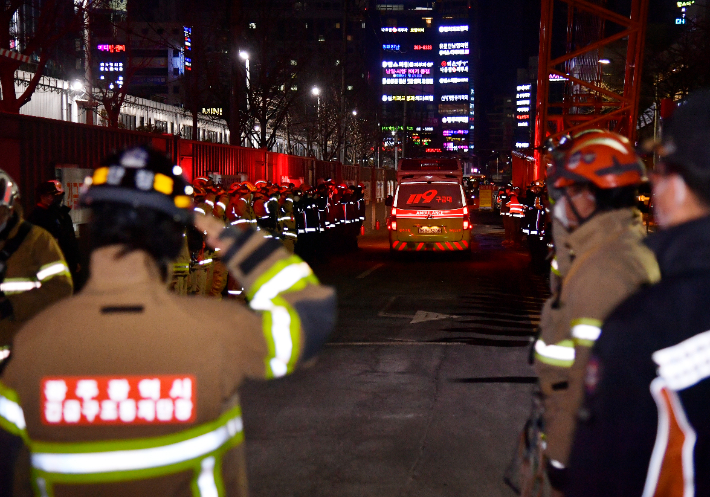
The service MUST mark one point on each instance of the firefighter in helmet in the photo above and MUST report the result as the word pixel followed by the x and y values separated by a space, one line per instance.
pixel 134 393
pixel 593 182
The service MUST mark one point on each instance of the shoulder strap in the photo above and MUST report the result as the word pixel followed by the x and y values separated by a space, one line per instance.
pixel 14 243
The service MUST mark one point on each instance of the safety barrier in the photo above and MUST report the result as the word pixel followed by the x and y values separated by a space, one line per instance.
pixel 32 148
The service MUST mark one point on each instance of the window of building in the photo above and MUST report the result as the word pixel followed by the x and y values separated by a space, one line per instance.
pixel 350 37
pixel 364 25
pixel 252 25
pixel 176 52
pixel 337 25
pixel 294 62
pixel 321 38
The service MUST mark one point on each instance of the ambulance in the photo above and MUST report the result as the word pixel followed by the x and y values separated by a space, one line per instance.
pixel 429 211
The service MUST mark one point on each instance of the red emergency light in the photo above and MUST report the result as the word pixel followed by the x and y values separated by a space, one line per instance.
pixel 112 48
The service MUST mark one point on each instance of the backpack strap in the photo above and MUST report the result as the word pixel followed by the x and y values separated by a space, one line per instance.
pixel 14 243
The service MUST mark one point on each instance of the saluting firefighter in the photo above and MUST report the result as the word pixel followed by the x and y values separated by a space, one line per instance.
pixel 124 389
pixel 33 271
pixel 593 181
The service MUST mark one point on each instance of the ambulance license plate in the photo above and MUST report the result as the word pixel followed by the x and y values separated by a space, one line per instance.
pixel 430 230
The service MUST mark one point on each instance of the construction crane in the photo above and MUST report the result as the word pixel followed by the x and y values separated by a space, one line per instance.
pixel 589 98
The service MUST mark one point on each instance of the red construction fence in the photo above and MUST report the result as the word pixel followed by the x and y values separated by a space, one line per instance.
pixel 31 150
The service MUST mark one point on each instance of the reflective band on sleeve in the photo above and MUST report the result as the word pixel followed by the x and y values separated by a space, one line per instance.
pixel 555 267
pixel 221 204
pixel 586 332
pixel 86 463
pixel 561 354
pixel 685 364
pixel 210 203
pixel 206 261
pixel 284 321
pixel 11 412
pixel 206 481
pixel 52 270
pixel 11 287
pixel 200 210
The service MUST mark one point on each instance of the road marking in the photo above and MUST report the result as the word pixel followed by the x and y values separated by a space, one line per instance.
pixel 424 316
pixel 369 271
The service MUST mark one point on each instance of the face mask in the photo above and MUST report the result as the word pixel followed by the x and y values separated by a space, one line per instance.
pixel 559 211
pixel 675 202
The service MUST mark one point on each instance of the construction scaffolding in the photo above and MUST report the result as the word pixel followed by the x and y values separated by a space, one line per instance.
pixel 596 38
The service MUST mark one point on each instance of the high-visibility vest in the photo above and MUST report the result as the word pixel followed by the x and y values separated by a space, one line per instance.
pixel 516 208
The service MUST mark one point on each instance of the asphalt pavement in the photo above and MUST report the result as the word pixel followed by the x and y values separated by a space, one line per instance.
pixel 423 387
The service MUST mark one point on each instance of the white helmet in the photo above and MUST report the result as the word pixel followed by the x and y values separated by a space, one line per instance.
pixel 8 190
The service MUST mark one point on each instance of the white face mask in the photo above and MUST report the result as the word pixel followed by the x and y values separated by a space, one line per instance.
pixel 675 202
pixel 559 211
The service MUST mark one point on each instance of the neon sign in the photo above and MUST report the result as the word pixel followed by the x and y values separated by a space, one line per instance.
pixel 445 81
pixel 407 81
pixel 452 132
pixel 388 63
pixel 416 30
pixel 454 119
pixel 112 48
pixel 459 48
pixel 407 98
pixel 392 48
pixel 423 47
pixel 454 98
pixel 394 30
pixel 402 73
pixel 452 29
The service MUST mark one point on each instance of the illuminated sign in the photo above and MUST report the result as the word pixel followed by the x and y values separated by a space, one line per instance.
pixel 523 109
pixel 452 29
pixel 523 124
pixel 458 48
pixel 454 119
pixel 522 145
pixel 427 129
pixel 403 73
pixel 445 81
pixel 523 95
pixel 452 132
pixel 407 98
pixel 188 47
pixel 396 128
pixel 556 77
pixel 685 4
pixel 212 111
pixel 680 21
pixel 523 102
pixel 423 47
pixel 393 48
pixel 416 30
pixel 454 98
pixel 523 117
pixel 524 87
pixel 453 66
pixel 394 30
pixel 454 147
pixel 407 81
pixel 433 151
pixel 112 48
pixel 111 66
pixel 386 64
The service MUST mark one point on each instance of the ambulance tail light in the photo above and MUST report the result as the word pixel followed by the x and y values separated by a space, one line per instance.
pixel 466 219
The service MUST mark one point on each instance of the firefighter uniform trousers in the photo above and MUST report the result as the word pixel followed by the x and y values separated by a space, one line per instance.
pixel 134 395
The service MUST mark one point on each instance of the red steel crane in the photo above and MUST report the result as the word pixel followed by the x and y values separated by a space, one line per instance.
pixel 589 99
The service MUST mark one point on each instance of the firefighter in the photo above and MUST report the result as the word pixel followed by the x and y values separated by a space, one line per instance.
pixel 504 197
pixel 33 272
pixel 644 429
pixel 593 180
pixel 219 270
pixel 288 221
pixel 134 393
pixel 516 212
pixel 50 214
pixel 201 261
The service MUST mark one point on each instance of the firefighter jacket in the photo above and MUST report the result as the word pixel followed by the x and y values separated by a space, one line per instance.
pixel 135 394
pixel 37 276
pixel 515 208
pixel 58 222
pixel 241 211
pixel 646 424
pixel 608 263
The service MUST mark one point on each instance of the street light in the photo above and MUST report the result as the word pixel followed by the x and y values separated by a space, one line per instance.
pixel 604 61
pixel 315 91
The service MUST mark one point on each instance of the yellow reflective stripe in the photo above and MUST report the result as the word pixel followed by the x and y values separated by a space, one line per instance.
pixel 555 267
pixel 560 354
pixel 586 331
pixel 282 326
pixel 121 460
pixel 52 269
pixel 12 417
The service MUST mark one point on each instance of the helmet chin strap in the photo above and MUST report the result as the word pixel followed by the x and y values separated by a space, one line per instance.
pixel 580 220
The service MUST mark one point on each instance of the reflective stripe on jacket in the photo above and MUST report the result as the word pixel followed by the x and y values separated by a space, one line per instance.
pixel 37 276
pixel 126 324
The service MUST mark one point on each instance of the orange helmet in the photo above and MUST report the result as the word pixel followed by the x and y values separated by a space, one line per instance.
pixel 249 186
pixel 602 158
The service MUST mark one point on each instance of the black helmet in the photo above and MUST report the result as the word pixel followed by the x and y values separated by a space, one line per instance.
pixel 141 177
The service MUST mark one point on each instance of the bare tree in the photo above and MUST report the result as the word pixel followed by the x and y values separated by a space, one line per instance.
pixel 34 28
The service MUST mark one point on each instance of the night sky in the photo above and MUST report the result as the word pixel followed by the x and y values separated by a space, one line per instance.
pixel 509 35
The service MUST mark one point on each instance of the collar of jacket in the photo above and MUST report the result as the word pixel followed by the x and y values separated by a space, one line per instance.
pixel 110 269
pixel 601 227
pixel 684 248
